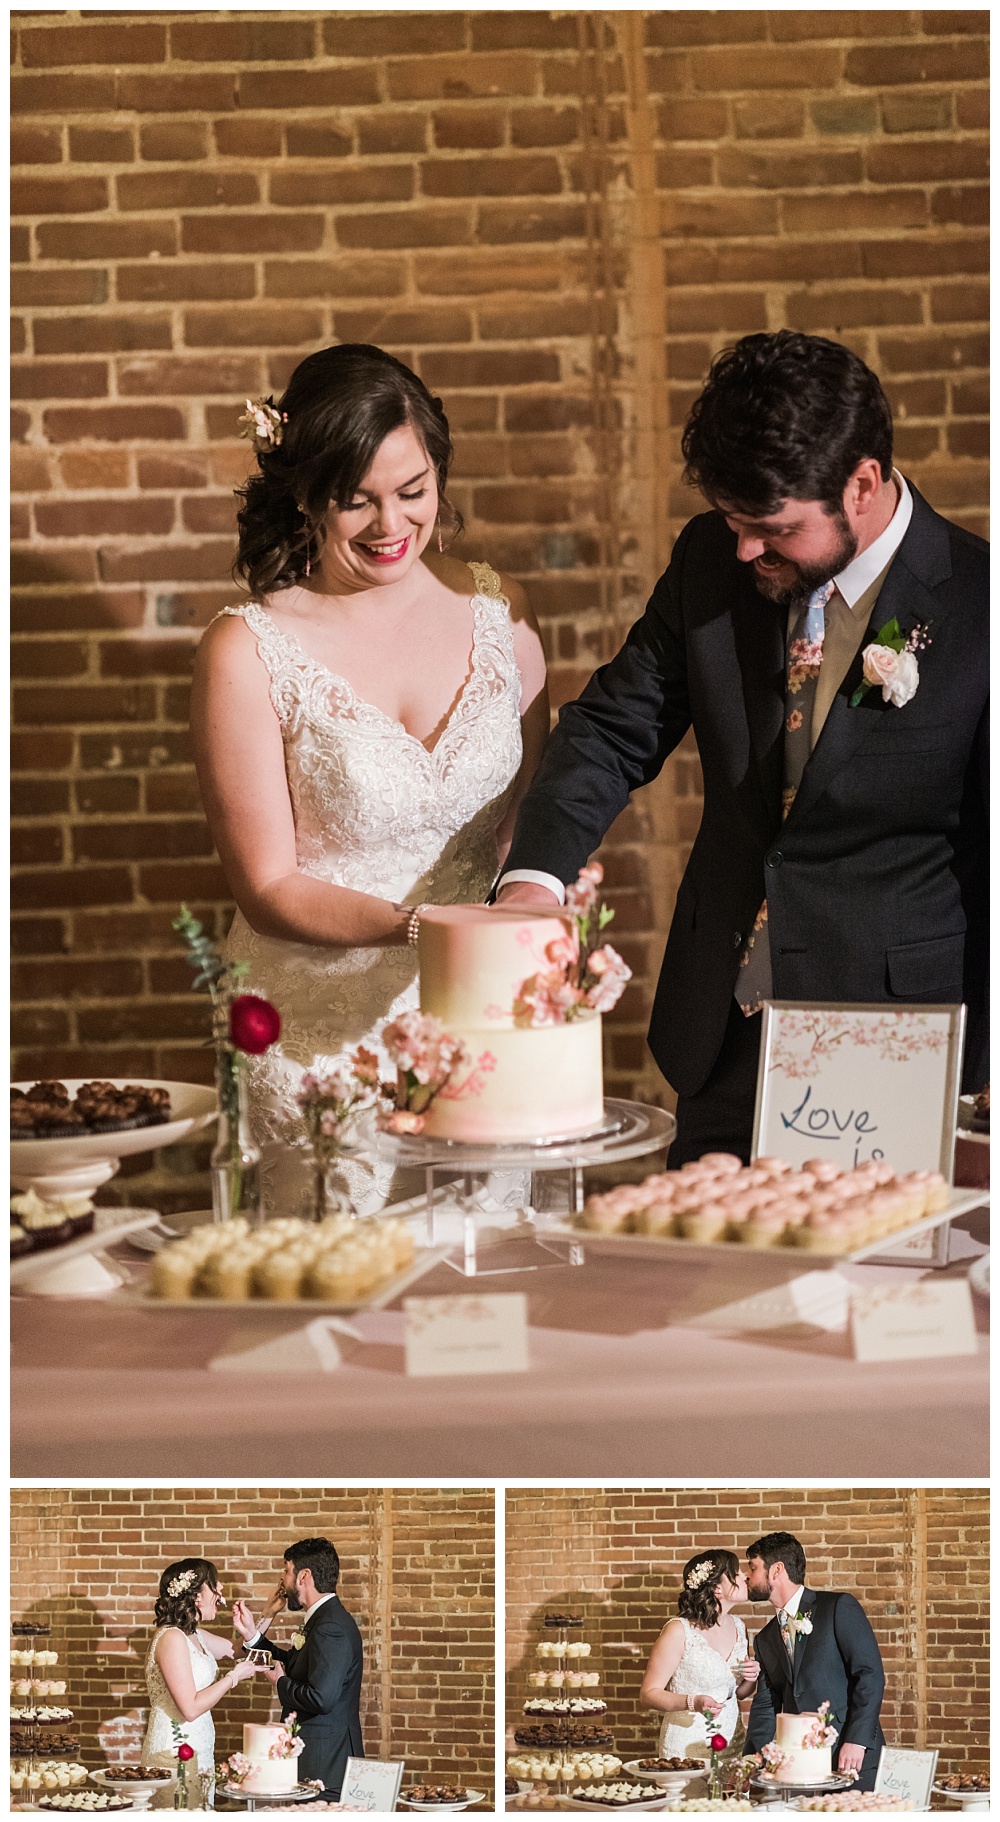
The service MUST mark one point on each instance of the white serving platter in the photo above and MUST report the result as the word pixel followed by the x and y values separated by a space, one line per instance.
pixel 137 1297
pixel 665 1246
pixel 474 1796
pixel 35 1265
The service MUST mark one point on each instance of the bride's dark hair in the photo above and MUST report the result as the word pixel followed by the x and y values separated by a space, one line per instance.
pixel 179 1609
pixel 339 406
pixel 700 1603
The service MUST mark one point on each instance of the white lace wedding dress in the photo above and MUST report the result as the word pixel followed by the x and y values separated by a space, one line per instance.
pixel 702 1671
pixel 377 811
pixel 160 1744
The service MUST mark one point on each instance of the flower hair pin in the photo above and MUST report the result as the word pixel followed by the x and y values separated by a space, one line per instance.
pixel 263 424
pixel 697 1577
pixel 181 1583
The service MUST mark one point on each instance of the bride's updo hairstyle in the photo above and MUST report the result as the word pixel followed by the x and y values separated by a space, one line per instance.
pixel 698 1600
pixel 185 1579
pixel 336 411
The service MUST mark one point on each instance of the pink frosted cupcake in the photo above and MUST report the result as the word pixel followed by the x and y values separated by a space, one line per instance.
pixel 702 1221
pixel 828 1232
pixel 657 1217
pixel 884 1173
pixel 738 1210
pixel 775 1167
pixel 721 1163
pixel 935 1189
pixel 799 1183
pixel 765 1226
pixel 823 1169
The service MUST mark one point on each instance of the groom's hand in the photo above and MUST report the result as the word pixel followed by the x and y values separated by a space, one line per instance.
pixel 243 1620
pixel 526 895
pixel 275 1603
pixel 272 1673
pixel 850 1758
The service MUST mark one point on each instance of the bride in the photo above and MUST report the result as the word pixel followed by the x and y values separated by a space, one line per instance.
pixel 364 727
pixel 182 1667
pixel 700 1668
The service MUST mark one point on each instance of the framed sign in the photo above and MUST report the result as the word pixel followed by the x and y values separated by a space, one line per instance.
pixel 372 1784
pixel 850 1083
pixel 909 1775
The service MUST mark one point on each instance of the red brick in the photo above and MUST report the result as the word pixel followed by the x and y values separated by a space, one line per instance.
pixel 298 89
pixel 29 470
pixel 168 882
pixel 137 840
pixel 973 108
pixel 85 285
pixel 87 469
pixel 921 257
pixel 38 658
pixel 921 111
pixel 70 46
pixel 59 380
pixel 246 234
pixel 73 704
pixel 707 216
pixel 169 562
pixel 467 128
pixel 99 334
pixel 31 752
pixel 960 303
pixel 930 159
pixel 253 328
pixel 34 847
pixel 920 353
pixel 39 797
pixel 35 145
pixel 58 195
pixel 758 66
pixel 101 518
pixel 525 176
pixel 186 190
pixel 788 170
pixel 155 657
pixel 476 271
pixel 855 212
pixel 62 95
pixel 184 283
pixel 971 397
pixel 971 438
pixel 101 145
pixel 328 279
pixel 967 205
pixel 105 239
pixel 241 41
pixel 39 1025
pixel 502 223
pixel 187 94
pixel 168 471
pixel 385 132
pixel 383 35
pixel 362 183
pixel 172 793
pixel 113 424
pixel 117 795
pixel 56 562
pixel 139 748
pixel 247 138
pixel 815 310
pixel 75 980
pixel 37 935
pixel 40 891
pixel 318 139
pixel 173 140
pixel 461 77
pixel 873 66
pixel 689 28
pixel 394 327
pixel 172 374
pixel 405 228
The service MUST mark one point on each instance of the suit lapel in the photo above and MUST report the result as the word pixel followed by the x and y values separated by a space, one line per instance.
pixel 922 560
pixel 759 629
pixel 802 1641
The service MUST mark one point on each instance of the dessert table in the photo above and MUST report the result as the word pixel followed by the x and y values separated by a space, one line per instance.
pixel 631 1372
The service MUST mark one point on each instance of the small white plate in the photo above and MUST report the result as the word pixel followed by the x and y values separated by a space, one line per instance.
pixel 140 1787
pixel 668 1780
pixel 474 1796
pixel 979 1275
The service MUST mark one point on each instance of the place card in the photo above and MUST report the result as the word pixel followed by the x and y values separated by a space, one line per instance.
pixel 480 1334
pixel 913 1321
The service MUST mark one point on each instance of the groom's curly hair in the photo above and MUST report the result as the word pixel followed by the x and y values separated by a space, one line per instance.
pixel 179 1609
pixel 785 416
pixel 781 1547
pixel 701 1605
pixel 319 1555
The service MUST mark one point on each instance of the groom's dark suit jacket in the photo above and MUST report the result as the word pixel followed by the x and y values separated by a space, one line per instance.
pixel 322 1686
pixel 838 1662
pixel 876 883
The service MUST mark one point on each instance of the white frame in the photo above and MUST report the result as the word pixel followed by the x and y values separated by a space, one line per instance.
pixel 922 1762
pixel 947 1113
pixel 358 1767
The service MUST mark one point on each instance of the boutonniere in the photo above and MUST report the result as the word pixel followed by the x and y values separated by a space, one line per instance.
pixel 798 1625
pixel 298 1640
pixel 891 661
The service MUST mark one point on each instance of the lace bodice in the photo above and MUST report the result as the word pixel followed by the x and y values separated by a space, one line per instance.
pixel 160 1744
pixel 376 811
pixel 702 1671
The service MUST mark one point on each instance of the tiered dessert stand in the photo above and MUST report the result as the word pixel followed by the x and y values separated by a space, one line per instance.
pixel 629 1130
pixel 559 1632
pixel 26 1721
pixel 773 1794
pixel 966 1799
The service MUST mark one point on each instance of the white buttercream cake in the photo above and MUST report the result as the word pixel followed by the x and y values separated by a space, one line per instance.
pixel 525 1082
pixel 267 1773
pixel 800 1764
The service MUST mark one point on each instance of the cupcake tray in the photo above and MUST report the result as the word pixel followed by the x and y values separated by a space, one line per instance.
pixel 136 1296
pixel 665 1246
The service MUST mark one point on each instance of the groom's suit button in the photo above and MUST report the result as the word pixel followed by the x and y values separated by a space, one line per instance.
pixel 737 939
pixel 775 859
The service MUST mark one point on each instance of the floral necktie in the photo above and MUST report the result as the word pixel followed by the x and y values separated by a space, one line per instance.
pixel 802 667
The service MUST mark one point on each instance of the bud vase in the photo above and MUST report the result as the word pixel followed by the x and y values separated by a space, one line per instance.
pixel 330 1195
pixel 237 1185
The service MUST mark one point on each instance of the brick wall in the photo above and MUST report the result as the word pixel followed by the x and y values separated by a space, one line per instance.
pixel 416 1572
pixel 916 1558
pixel 557 219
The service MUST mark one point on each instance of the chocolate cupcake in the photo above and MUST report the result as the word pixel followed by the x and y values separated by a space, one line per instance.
pixel 20 1241
pixel 46 1228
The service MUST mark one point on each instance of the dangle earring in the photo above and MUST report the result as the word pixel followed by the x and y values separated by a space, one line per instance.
pixel 440 540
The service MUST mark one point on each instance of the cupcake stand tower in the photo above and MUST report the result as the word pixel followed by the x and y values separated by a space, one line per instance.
pixel 561 1652
pixel 29 1722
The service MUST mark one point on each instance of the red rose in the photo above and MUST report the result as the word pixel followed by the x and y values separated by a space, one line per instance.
pixel 254 1024
pixel 718 1742
pixel 185 1752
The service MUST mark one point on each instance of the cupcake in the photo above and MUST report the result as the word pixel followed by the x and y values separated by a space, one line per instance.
pixel 702 1222
pixel 775 1167
pixel 173 1272
pixel 227 1274
pixel 656 1218
pixel 721 1163
pixel 823 1169
pixel 20 1241
pixel 764 1226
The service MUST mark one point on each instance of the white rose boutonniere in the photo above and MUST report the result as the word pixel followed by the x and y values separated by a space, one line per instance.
pixel 890 663
pixel 298 1640
pixel 798 1625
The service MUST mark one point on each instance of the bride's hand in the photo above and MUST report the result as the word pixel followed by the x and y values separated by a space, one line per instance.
pixel 750 1671
pixel 243 1620
pixel 241 1671
pixel 706 1704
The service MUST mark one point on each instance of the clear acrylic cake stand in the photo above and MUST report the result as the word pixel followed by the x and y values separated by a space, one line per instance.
pixel 629 1130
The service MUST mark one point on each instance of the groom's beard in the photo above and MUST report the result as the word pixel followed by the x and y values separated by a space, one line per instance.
pixel 293 1603
pixel 810 576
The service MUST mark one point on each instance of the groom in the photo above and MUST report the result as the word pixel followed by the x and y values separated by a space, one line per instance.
pixel 843 848
pixel 319 1679
pixel 819 1648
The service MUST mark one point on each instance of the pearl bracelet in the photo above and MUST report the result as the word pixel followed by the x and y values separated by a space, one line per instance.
pixel 413 925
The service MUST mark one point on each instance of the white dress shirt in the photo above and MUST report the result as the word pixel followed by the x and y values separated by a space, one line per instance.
pixel 853 583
